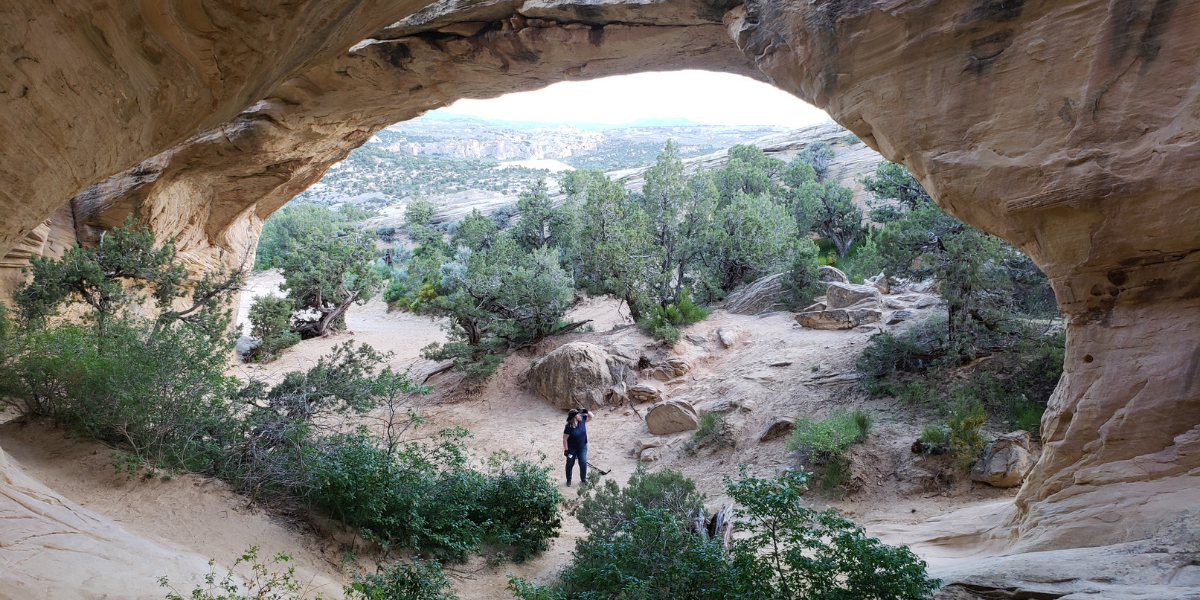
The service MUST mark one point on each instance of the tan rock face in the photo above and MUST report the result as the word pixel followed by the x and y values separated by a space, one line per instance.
pixel 672 416
pixel 1071 129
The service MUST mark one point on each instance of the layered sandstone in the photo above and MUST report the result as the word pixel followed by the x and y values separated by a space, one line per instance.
pixel 1068 128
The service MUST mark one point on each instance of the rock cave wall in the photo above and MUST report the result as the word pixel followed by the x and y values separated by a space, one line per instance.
pixel 1068 128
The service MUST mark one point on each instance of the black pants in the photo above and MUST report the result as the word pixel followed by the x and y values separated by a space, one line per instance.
pixel 581 456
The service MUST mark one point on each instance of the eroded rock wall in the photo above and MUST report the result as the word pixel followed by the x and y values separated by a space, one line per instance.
pixel 1071 129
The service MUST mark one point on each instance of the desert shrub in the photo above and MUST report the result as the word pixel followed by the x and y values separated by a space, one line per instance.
pixel 803 279
pixel 935 439
pixel 664 321
pixel 828 439
pixel 270 322
pixel 418 580
pixel 916 349
pixel 790 552
pixel 712 430
pixel 604 509
pixel 324 275
pixel 964 438
pixel 298 220
pixel 269 580
pixel 519 505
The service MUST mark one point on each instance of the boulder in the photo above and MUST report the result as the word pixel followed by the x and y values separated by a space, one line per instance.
pixel 842 295
pixel 879 282
pixel 670 369
pixel 830 274
pixel 1005 462
pixel 728 336
pixel 578 374
pixel 246 347
pixel 895 303
pixel 777 427
pixel 898 316
pixel 672 416
pixel 840 318
pixel 926 302
pixel 762 295
pixel 642 393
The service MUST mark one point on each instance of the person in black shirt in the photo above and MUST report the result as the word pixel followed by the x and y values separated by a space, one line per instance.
pixel 575 443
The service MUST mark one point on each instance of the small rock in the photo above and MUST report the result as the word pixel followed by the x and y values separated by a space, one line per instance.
pixel 830 274
pixel 926 302
pixel 724 406
pixel 880 283
pixel 908 298
pixel 748 406
pixel 778 426
pixel 898 316
pixel 672 416
pixel 814 307
pixel 653 454
pixel 642 393
pixel 246 347
pixel 727 336
pixel 645 443
pixel 894 303
pixel 1005 462
pixel 842 295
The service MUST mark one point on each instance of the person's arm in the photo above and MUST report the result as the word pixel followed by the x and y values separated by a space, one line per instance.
pixel 565 438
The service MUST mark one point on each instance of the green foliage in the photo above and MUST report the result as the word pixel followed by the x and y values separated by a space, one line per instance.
pixel 664 321
pixel 475 232
pixel 270 322
pixel 418 580
pixel 964 438
pixel 827 209
pixel 541 222
pixel 817 155
pixel 935 439
pixel 828 439
pixel 325 275
pixel 268 580
pixel 296 221
pixel 752 236
pixel 803 278
pixel 606 508
pixel 790 552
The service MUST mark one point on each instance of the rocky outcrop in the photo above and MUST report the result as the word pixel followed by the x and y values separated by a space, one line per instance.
pixel 643 393
pixel 838 318
pixel 1005 461
pixel 777 427
pixel 830 274
pixel 844 295
pixel 672 416
pixel 761 295
pixel 577 375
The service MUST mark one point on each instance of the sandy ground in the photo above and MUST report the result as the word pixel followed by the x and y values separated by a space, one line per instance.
pixel 774 368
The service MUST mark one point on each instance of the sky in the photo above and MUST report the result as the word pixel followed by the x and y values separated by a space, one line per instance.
pixel 701 96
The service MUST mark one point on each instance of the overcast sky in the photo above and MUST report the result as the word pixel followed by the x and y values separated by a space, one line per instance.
pixel 701 96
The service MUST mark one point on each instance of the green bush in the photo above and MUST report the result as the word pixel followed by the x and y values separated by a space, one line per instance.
pixel 964 439
pixel 827 441
pixel 270 322
pixel 604 509
pixel 418 580
pixel 790 551
pixel 803 279
pixel 664 321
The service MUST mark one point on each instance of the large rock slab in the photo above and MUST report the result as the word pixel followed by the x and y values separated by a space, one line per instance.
pixel 842 295
pixel 577 375
pixel 838 318
pixel 832 274
pixel 672 416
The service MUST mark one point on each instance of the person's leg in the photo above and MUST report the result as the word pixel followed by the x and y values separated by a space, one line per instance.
pixel 583 466
pixel 570 467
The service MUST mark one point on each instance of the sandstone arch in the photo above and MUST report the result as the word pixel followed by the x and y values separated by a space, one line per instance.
pixel 1069 128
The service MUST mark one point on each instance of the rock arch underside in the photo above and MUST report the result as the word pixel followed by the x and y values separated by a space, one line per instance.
pixel 1069 128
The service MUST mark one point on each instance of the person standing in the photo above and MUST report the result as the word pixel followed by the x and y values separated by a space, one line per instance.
pixel 575 443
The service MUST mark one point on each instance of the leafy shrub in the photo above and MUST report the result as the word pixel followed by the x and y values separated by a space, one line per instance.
pixel 712 430
pixel 270 322
pixel 791 551
pixel 266 582
pixel 604 509
pixel 664 321
pixel 964 439
pixel 418 580
pixel 916 349
pixel 828 439
pixel 803 279
pixel 935 439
